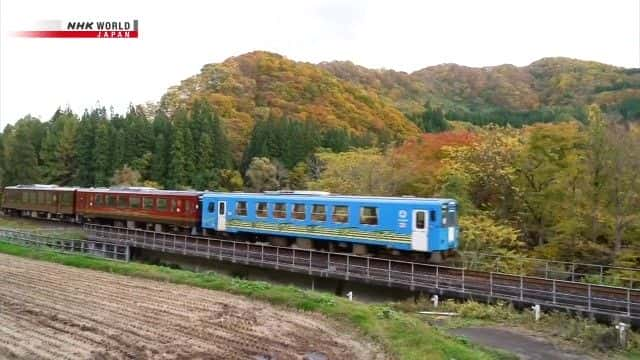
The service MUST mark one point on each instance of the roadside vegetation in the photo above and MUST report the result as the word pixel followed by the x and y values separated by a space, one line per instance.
pixel 402 335
pixel 599 340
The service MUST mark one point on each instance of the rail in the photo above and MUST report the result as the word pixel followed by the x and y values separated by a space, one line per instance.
pixel 94 248
pixel 454 281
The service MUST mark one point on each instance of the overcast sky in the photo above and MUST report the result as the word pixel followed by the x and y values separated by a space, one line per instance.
pixel 178 37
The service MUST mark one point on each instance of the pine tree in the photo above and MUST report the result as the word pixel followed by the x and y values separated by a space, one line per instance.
pixel 177 174
pixel 21 161
pixel 102 153
pixel 85 143
pixel 58 151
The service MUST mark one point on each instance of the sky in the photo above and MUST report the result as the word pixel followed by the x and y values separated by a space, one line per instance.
pixel 178 37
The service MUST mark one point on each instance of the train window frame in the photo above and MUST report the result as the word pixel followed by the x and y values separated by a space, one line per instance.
pixel 99 200
pixel 222 211
pixel 340 218
pixel 48 199
pixel 179 205
pixel 260 211
pixel 295 212
pixel 112 200
pixel 135 202
pixel 187 206
pixel 173 204
pixel 242 208
pixel 33 198
pixel 370 220
pixel 123 201
pixel 25 197
pixel 211 208
pixel 146 204
pixel 162 204
pixel 280 210
pixel 316 215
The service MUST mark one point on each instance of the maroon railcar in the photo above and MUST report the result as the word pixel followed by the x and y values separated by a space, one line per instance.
pixel 39 201
pixel 139 207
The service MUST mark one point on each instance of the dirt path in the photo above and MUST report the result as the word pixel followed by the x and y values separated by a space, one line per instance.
pixel 54 311
pixel 524 346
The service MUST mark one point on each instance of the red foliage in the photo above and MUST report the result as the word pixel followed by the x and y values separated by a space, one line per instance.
pixel 425 153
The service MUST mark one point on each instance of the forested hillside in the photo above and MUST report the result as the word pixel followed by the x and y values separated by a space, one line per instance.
pixel 560 181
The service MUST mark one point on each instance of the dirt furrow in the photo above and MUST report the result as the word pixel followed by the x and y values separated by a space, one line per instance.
pixel 53 311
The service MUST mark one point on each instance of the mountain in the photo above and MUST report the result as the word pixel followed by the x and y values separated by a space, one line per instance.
pixel 259 85
pixel 379 103
pixel 549 82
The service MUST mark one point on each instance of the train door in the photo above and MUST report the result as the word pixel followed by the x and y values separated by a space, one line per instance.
pixel 419 231
pixel 222 216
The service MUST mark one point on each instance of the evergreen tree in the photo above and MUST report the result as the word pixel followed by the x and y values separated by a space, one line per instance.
pixel 102 153
pixel 85 144
pixel 177 174
pixel 21 158
pixel 58 151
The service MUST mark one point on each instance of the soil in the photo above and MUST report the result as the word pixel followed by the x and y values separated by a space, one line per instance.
pixel 53 311
pixel 526 347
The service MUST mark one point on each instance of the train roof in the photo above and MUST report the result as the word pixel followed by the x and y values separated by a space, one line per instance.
pixel 141 191
pixel 42 187
pixel 319 196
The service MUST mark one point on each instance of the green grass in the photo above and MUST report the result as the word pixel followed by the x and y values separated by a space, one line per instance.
pixel 402 335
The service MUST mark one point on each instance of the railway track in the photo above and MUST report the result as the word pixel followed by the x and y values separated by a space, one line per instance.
pixel 446 280
pixel 532 267
pixel 114 243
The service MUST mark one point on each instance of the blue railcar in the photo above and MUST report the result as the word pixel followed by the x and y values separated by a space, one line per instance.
pixel 400 223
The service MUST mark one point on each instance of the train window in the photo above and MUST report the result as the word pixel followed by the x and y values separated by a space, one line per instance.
pixel 179 206
pixel 444 215
pixel 123 201
pixel 173 205
pixel 67 199
pixel 221 208
pixel 299 212
pixel 432 215
pixel 451 217
pixel 341 214
pixel 99 200
pixel 134 202
pixel 49 201
pixel 280 210
pixel 25 197
pixel 420 220
pixel 111 200
pixel 41 197
pixel 319 212
pixel 212 207
pixel 187 206
pixel 369 215
pixel 32 197
pixel 147 203
pixel 261 209
pixel 161 204
pixel 241 208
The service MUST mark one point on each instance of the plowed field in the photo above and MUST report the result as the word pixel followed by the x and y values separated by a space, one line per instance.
pixel 53 311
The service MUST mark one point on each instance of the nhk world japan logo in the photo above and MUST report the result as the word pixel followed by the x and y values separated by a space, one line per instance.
pixel 101 29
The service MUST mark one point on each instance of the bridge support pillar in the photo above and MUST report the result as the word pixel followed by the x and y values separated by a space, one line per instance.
pixel 304 243
pixel 360 249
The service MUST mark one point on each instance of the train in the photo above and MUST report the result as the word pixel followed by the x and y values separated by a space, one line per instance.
pixel 306 219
